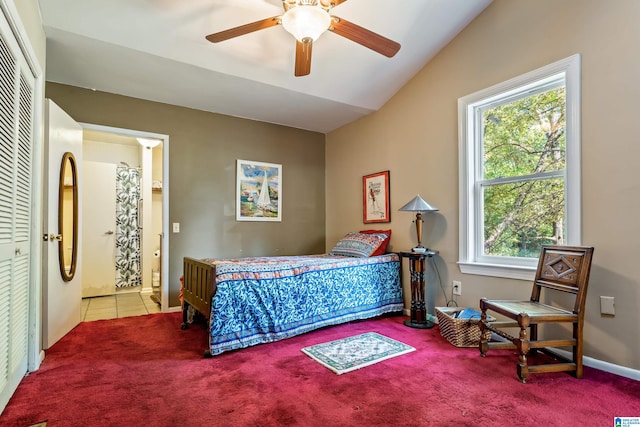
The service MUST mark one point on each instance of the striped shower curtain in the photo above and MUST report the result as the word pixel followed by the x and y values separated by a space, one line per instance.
pixel 127 227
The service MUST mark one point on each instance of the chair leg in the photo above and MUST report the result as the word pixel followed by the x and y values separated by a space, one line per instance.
pixel 484 343
pixel 523 368
pixel 522 344
pixel 577 349
pixel 533 336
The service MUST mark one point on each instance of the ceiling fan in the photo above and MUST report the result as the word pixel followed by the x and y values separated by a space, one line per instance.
pixel 306 20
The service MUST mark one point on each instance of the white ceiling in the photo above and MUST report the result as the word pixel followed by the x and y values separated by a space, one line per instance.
pixel 156 50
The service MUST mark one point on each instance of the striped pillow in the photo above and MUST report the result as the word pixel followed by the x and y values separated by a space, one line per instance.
pixel 382 249
pixel 359 245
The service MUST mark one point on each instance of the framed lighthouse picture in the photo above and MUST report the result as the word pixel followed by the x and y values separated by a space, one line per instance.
pixel 258 191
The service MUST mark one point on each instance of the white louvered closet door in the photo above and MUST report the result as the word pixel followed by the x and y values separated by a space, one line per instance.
pixel 16 170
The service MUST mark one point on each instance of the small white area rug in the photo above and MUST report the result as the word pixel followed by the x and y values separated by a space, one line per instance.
pixel 349 354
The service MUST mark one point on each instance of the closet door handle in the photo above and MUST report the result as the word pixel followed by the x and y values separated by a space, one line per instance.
pixel 108 232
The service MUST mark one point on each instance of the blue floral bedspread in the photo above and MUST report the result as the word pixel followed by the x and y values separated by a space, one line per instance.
pixel 261 300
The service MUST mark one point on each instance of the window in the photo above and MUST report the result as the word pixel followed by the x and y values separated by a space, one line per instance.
pixel 520 170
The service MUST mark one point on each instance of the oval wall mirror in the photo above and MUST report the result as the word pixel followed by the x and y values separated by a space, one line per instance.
pixel 68 217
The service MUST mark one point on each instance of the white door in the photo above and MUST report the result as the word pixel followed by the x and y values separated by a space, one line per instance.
pixel 61 301
pixel 18 141
pixel 99 224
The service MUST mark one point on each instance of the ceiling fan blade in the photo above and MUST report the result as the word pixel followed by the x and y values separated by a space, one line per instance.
pixel 243 29
pixel 303 58
pixel 364 37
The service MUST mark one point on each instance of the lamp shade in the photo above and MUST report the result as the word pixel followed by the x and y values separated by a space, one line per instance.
pixel 418 204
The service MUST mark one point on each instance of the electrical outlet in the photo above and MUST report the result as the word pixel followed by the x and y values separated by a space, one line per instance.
pixel 457 287
pixel 607 306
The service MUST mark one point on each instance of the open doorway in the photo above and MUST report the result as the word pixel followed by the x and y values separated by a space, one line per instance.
pixel 125 222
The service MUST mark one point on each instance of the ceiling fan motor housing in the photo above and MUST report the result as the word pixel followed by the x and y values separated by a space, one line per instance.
pixel 306 21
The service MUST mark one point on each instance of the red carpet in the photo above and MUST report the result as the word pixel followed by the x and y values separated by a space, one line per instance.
pixel 145 371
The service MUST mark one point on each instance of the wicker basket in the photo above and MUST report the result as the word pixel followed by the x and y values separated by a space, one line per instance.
pixel 459 332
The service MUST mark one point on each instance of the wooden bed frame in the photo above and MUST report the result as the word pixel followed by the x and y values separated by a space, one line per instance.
pixel 199 286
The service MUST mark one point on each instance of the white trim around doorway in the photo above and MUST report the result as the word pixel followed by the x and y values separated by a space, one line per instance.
pixel 164 267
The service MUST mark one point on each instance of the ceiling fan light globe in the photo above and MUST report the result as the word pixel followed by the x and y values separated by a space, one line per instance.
pixel 306 22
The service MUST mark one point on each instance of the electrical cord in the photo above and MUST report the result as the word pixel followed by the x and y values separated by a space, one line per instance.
pixel 444 292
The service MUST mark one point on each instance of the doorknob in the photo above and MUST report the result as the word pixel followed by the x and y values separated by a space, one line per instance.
pixel 109 232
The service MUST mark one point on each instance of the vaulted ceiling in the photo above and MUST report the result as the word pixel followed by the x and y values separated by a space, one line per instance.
pixel 156 50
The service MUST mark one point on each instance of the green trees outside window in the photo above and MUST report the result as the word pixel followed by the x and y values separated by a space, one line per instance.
pixel 522 183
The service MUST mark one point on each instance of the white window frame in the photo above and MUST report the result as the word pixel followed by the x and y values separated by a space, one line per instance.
pixel 471 258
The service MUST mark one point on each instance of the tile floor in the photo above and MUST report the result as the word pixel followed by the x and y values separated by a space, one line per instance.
pixel 118 305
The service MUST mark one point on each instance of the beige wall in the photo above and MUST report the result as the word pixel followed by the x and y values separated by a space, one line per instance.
pixel 29 11
pixel 203 148
pixel 415 137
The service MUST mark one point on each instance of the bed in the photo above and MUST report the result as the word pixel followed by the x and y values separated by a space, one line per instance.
pixel 250 301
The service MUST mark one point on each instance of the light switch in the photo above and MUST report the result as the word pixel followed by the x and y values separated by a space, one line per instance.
pixel 607 306
pixel 176 227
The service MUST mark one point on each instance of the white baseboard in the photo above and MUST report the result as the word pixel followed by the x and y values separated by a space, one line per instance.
pixel 430 317
pixel 623 371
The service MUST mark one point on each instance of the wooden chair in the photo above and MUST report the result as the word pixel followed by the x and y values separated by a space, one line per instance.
pixel 560 268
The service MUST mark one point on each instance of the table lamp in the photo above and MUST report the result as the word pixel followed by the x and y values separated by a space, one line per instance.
pixel 418 205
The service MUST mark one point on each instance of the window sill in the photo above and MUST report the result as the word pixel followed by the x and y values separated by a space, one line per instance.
pixel 496 270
